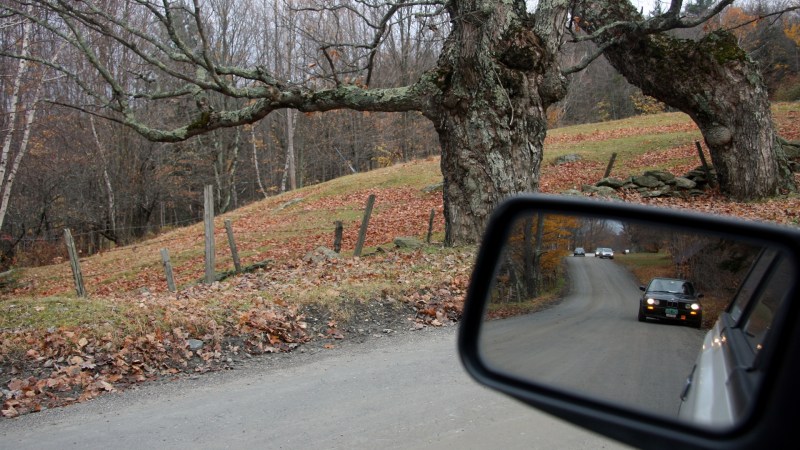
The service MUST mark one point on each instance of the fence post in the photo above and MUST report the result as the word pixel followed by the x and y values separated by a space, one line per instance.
pixel 430 225
pixel 610 164
pixel 168 270
pixel 73 262
pixel 362 233
pixel 208 219
pixel 237 265
pixel 337 236
pixel 705 164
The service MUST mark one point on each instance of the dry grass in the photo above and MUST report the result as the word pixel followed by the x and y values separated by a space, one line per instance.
pixel 646 266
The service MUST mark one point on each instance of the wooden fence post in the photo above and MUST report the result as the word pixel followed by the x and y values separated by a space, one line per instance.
pixel 362 233
pixel 610 165
pixel 430 225
pixel 73 262
pixel 337 236
pixel 704 163
pixel 208 218
pixel 237 265
pixel 168 270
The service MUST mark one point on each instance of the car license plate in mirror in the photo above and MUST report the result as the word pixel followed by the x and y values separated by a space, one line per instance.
pixel 671 312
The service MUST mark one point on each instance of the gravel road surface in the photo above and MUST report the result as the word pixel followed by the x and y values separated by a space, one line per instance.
pixel 406 390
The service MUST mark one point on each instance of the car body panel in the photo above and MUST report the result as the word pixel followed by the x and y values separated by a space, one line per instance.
pixel 705 400
pixel 727 370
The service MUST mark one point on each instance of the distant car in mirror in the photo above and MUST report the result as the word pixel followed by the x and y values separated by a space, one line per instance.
pixel 579 251
pixel 557 334
pixel 605 253
pixel 670 299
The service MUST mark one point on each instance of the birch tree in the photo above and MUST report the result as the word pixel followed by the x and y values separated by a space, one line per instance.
pixel 111 229
pixel 21 116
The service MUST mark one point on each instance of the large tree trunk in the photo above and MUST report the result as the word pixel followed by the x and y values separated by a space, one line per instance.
pixel 716 84
pixel 499 74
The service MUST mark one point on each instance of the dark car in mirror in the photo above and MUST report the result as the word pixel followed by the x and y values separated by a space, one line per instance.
pixel 563 335
pixel 670 299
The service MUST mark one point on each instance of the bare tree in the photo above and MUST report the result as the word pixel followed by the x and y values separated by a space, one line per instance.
pixel 22 105
pixel 9 164
pixel 111 230
pixel 256 164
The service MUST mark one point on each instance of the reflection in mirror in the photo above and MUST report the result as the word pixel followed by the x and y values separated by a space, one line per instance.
pixel 639 318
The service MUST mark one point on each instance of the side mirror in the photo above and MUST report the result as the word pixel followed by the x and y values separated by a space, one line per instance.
pixel 576 338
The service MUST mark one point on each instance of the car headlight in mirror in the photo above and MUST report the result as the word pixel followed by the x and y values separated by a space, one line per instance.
pixel 562 333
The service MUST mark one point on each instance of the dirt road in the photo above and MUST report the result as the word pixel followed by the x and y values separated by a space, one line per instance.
pixel 406 390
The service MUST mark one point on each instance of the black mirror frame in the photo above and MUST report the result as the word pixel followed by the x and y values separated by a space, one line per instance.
pixel 769 424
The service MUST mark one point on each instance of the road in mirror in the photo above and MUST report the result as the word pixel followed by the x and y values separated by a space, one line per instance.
pixel 591 323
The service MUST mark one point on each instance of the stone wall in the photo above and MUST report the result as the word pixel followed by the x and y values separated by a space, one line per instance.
pixel 655 183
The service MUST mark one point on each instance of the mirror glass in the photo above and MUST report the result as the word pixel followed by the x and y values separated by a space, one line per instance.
pixel 635 314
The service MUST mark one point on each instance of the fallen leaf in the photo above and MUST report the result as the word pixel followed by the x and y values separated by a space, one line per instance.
pixel 10 412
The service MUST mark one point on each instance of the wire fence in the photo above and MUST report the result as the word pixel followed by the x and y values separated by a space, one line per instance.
pixel 100 275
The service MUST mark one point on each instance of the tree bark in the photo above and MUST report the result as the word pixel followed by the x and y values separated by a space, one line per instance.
pixel 715 83
pixel 499 74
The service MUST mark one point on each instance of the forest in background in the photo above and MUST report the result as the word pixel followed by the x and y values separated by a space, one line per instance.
pixel 112 187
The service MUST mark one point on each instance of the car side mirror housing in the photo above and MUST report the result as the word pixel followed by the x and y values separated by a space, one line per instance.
pixel 561 334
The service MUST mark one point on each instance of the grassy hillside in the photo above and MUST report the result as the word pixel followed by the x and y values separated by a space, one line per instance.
pixel 280 228
pixel 286 227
